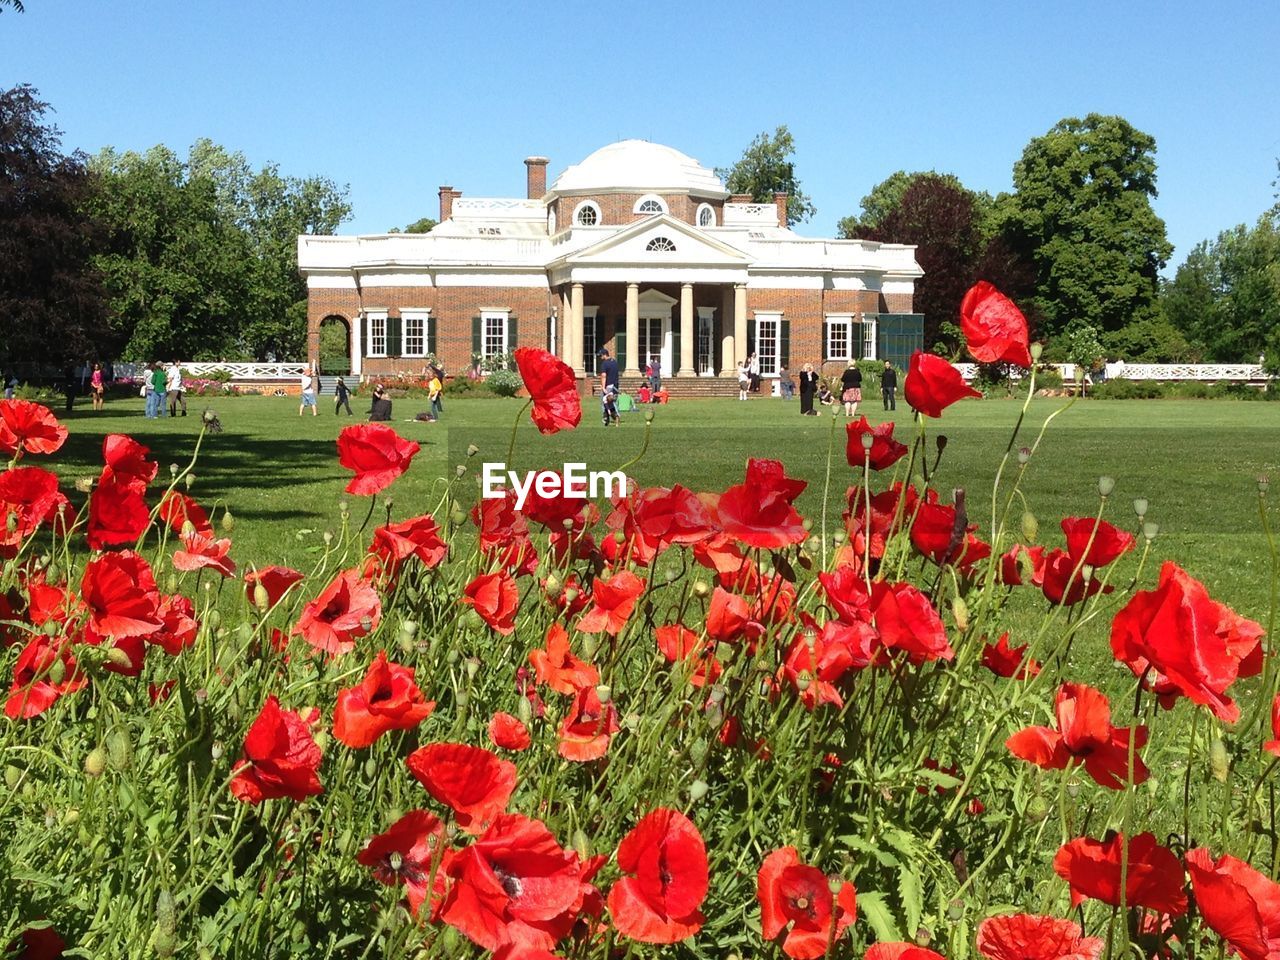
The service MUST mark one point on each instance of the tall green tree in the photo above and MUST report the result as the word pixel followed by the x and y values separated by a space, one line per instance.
pixel 886 196
pixel 422 225
pixel 51 299
pixel 765 168
pixel 1081 213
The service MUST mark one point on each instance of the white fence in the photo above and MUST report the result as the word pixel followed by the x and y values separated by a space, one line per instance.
pixel 1201 372
pixel 238 371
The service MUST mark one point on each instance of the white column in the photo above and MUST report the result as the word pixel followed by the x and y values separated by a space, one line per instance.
pixel 357 346
pixel 728 359
pixel 575 331
pixel 686 331
pixel 740 322
pixel 563 325
pixel 633 330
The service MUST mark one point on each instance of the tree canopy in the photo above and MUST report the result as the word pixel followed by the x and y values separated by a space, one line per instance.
pixel 50 296
pixel 1081 214
pixel 765 168
pixel 422 225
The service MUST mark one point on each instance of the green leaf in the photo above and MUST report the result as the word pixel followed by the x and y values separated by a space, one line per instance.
pixel 878 916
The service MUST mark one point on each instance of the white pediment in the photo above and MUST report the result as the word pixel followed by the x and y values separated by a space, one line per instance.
pixel 659 241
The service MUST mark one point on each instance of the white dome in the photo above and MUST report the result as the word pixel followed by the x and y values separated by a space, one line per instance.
pixel 640 166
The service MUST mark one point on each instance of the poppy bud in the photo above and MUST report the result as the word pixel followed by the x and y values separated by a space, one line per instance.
pixel 619 538
pixel 1105 486
pixel 960 611
pixel 648 416
pixel 1219 762
pixel 1030 527
pixel 216 750
pixel 698 752
pixel 166 915
pixel 452 657
pixel 11 523
pixel 941 441
pixel 57 672
pixel 118 658
pixel 1024 454
pixel 1150 529
pixel 228 521
pixel 261 598
pixel 119 749
pixel 321 739
pixel 387 504
pixel 188 529
pixel 457 517
pixel 838 537
pixel 214 619
pixel 83 484
pixel 71 817
pixel 697 790
pixel 604 692
pixel 473 667
pixel 95 762
pixel 671 574
pixel 1036 349
pixel 190 480
pixel 590 643
pixel 717 694
pixel 1140 507
pixel 462 698
pixel 460 471
pixel 12 776
pixel 472 450
pixel 581 845
pixel 701 589
pixel 524 710
pixel 553 586
pixel 343 508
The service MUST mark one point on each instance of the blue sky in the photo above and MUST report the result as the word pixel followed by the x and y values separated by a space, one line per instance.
pixel 397 98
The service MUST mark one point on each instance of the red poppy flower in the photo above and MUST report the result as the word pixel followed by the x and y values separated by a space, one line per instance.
pixel 411 851
pixel 44 943
pixel 396 542
pixel 588 727
pixel 846 592
pixel 29 498
pixel 1061 577
pixel 994 329
pixel 933 384
pixel 879 520
pixel 1186 643
pixel 345 611
pixel 906 620
pixel 612 601
pixel 1153 878
pixel 280 758
pixel 668 858
pixel 117 514
pixel 386 699
pixel 553 389
pixel 758 512
pixel 1108 542
pixel 125 460
pixel 508 732
pixel 729 618
pixel 797 899
pixel 1084 735
pixel 558 668
pixel 935 533
pixel 472 782
pixel 896 950
pixel 1006 661
pixel 512 886
pixel 885 451
pixel 818 658
pixel 120 592
pixel 681 645
pixel 1023 936
pixel 177 510
pixel 496 598
pixel 668 517
pixel 199 552
pixel 179 627
pixel 277 581
pixel 1237 902
pixel 45 670
pixel 377 455
pixel 554 509
pixel 27 427
pixel 504 534
pixel 1011 565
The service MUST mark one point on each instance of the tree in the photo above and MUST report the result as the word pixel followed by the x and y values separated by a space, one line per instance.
pixel 764 169
pixel 423 225
pixel 51 299
pixel 1081 213
pixel 886 196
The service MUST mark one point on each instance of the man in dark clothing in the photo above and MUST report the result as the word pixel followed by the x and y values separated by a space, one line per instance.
pixel 380 409
pixel 889 386
pixel 608 388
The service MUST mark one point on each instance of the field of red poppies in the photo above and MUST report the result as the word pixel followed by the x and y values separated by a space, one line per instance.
pixel 677 723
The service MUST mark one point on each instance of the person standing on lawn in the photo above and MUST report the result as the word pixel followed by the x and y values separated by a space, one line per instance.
pixel 308 384
pixel 655 373
pixel 341 397
pixel 608 388
pixel 176 389
pixel 808 388
pixel 96 386
pixel 159 384
pixel 435 391
pixel 889 386
pixel 851 388
pixel 744 379
pixel 753 367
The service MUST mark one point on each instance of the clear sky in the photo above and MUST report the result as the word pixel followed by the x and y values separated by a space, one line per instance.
pixel 396 98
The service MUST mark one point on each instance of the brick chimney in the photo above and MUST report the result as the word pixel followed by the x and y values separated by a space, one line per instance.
pixel 447 196
pixel 740 198
pixel 537 177
pixel 780 201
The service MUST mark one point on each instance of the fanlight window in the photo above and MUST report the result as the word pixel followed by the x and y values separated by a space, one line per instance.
pixel 706 217
pixel 660 245
pixel 587 215
pixel 649 206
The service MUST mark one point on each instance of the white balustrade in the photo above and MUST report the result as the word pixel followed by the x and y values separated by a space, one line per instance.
pixel 247 371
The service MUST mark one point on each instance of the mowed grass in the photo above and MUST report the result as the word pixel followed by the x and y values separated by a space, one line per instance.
pixel 1197 462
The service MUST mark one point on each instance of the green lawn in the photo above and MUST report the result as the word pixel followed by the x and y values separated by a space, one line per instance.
pixel 1196 461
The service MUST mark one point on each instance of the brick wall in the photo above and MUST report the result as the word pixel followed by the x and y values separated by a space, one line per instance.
pixel 895 303
pixel 619 208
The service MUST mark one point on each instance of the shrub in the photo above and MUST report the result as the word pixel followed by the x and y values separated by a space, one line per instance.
pixel 504 383
pixel 1127 390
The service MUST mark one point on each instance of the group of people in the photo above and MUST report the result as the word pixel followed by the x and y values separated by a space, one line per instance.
pixel 813 387
pixel 162 386
pixel 749 376
pixel 380 404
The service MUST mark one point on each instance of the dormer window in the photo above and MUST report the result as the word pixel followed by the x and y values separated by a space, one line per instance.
pixel 660 245
pixel 587 214
pixel 706 215
pixel 650 204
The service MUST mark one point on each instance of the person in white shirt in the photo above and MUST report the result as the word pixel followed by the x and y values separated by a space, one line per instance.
pixel 308 393
pixel 176 389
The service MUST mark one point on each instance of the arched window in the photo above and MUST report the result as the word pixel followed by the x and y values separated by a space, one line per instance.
pixel 551 221
pixel 706 215
pixel 660 245
pixel 650 204
pixel 587 214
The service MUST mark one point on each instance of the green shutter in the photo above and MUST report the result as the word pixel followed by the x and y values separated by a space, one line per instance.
pixel 394 338
pixel 675 347
pixel 513 332
pixel 620 343
pixel 751 337
pixel 784 343
pixel 547 342
pixel 826 338
pixel 364 334
pixel 477 341
pixel 430 323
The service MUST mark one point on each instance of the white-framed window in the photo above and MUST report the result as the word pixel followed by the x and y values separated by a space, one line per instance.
pixel 551 221
pixel 839 337
pixel 377 334
pixel 590 362
pixel 660 245
pixel 415 332
pixel 493 332
pixel 768 329
pixel 869 337
pixel 706 215
pixel 587 214
pixel 650 204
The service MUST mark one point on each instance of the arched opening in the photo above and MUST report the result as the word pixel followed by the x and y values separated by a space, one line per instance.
pixel 335 346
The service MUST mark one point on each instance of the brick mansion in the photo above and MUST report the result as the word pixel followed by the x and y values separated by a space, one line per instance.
pixel 639 249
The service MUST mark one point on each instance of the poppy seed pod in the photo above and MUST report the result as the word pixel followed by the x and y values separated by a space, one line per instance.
pixel 960 611
pixel 343 508
pixel 605 693
pixel 261 598
pixel 84 484
pixel 1030 527
pixel 473 667
pixel 701 589
pixel 1036 349
pixel 1024 454
pixel 118 658
pixel 1106 485
pixel 1219 761
pixel 955 910
pixel 12 776
pixel 867 442
pixel 460 471
pixel 190 480
pixel 188 529
pixel 697 790
pixel 1140 507
pixel 923 935
pixel 472 450
pixel 1150 529
pixel 228 521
